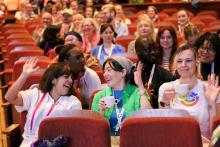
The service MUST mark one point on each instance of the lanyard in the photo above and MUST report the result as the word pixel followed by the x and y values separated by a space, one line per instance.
pixel 38 106
pixel 100 50
pixel 119 117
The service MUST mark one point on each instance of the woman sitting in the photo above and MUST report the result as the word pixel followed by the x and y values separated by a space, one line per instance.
pixel 107 46
pixel 53 98
pixel 208 47
pixel 145 29
pixel 198 98
pixel 129 97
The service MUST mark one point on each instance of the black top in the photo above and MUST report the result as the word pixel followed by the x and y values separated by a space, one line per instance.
pixel 160 76
pixel 206 70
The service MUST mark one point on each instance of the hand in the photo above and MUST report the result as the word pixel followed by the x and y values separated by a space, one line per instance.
pixel 30 66
pixel 169 95
pixel 211 89
pixel 150 91
pixel 138 75
pixel 102 106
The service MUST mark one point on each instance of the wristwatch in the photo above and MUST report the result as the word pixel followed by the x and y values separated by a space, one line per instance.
pixel 164 104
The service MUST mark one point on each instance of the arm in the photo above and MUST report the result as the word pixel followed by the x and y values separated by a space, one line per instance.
pixel 211 91
pixel 98 104
pixel 143 93
pixel 12 94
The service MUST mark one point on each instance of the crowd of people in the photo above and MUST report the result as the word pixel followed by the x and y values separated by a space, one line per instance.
pixel 84 40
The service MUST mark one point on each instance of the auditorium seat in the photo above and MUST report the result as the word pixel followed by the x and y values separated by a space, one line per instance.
pixel 160 132
pixel 83 128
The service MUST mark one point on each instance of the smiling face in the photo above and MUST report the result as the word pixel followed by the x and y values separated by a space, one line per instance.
pixel 100 18
pixel 144 28
pixel 62 85
pixel 89 12
pixel 67 18
pixel 76 60
pixel 113 78
pixel 166 40
pixel 151 12
pixel 146 51
pixel 206 53
pixel 46 19
pixel 74 7
pixel 107 35
pixel 186 64
pixel 88 27
pixel 118 10
pixel 182 17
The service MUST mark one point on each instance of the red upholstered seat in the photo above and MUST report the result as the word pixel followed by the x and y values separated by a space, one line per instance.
pixel 84 128
pixel 160 132
pixel 215 122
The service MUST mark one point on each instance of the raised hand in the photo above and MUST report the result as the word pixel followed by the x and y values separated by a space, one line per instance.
pixel 30 66
pixel 137 75
pixel 212 89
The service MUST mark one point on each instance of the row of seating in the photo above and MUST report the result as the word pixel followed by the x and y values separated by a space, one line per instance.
pixel 16 47
pixel 88 128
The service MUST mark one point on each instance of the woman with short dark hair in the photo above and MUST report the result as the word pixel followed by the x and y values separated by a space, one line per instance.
pixel 53 98
pixel 208 48
pixel 129 98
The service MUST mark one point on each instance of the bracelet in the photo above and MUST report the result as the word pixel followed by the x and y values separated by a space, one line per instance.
pixel 146 94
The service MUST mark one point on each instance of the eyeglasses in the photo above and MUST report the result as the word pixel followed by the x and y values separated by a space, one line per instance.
pixel 207 48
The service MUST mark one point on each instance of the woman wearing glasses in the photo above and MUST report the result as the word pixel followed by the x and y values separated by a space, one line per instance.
pixel 208 47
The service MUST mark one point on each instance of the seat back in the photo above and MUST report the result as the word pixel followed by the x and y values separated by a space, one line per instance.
pixel 160 132
pixel 124 41
pixel 42 62
pixel 84 128
pixel 14 55
pixel 160 113
pixel 91 98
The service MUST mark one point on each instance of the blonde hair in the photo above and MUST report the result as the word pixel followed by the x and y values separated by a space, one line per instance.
pixel 110 7
pixel 93 22
pixel 184 48
pixel 76 16
pixel 149 22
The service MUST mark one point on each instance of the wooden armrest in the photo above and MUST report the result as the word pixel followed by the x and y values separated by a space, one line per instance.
pixel 6 104
pixel 10 129
pixel 4 89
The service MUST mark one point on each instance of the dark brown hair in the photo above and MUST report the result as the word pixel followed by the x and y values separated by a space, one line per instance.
pixel 160 49
pixel 103 28
pixel 54 71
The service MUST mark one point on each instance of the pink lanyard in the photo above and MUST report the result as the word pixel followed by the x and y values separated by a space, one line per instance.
pixel 38 106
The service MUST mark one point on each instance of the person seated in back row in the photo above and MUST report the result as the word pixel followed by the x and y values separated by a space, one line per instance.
pixel 153 75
